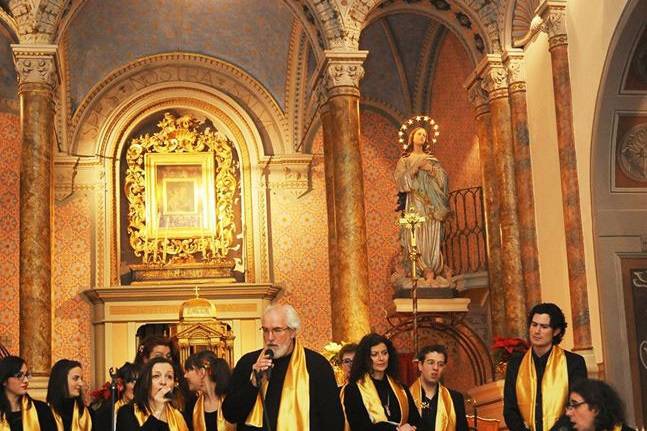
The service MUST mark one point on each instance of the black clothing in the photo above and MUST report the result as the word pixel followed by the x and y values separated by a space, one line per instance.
pixel 359 419
pixel 126 421
pixel 210 418
pixel 66 414
pixel 514 420
pixel 428 422
pixel 45 418
pixel 564 424
pixel 325 407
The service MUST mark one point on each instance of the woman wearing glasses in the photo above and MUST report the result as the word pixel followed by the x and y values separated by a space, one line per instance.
pixel 595 406
pixel 65 397
pixel 208 376
pixel 18 411
pixel 152 408
pixel 374 399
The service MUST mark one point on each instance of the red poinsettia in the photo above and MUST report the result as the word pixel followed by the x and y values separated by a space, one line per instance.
pixel 102 394
pixel 504 348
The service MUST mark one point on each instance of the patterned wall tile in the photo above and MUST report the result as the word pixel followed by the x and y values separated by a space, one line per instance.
pixel 72 326
pixel 9 230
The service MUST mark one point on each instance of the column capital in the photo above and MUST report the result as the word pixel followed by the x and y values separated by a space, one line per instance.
pixel 494 76
pixel 341 72
pixel 36 64
pixel 553 15
pixel 477 96
pixel 514 63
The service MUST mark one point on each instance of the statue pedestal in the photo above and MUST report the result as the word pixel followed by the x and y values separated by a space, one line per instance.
pixel 488 400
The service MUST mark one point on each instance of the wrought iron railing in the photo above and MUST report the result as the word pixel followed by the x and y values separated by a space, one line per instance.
pixel 464 245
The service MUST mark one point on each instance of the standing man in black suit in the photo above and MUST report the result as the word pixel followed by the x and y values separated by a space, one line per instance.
pixel 440 408
pixel 537 383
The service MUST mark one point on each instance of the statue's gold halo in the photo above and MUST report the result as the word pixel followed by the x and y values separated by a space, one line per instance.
pixel 418 121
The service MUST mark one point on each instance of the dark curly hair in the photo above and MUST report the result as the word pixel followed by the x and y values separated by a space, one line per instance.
pixel 362 363
pixel 603 398
pixel 149 343
pixel 438 348
pixel 217 368
pixel 557 319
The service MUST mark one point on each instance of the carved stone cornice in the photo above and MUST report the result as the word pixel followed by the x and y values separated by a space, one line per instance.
pixel 514 62
pixel 35 64
pixel 288 173
pixel 553 15
pixel 494 75
pixel 341 72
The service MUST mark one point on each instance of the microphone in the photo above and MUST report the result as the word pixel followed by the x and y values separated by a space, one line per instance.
pixel 169 395
pixel 269 353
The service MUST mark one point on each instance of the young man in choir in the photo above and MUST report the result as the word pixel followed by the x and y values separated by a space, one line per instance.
pixel 537 383
pixel 293 388
pixel 440 408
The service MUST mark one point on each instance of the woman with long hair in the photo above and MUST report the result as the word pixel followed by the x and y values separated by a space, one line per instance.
pixel 374 399
pixel 208 376
pixel 152 408
pixel 18 411
pixel 593 405
pixel 65 397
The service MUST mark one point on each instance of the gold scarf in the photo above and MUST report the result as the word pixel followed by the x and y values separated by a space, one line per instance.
pixel 198 417
pixel 445 414
pixel 28 414
pixel 174 418
pixel 554 388
pixel 343 407
pixel 79 422
pixel 294 406
pixel 373 404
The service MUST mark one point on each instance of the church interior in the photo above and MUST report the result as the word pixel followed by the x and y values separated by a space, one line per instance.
pixel 155 154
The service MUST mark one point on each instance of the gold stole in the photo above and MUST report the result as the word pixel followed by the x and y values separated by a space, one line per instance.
pixel 28 414
pixel 198 417
pixel 79 423
pixel 554 388
pixel 445 413
pixel 294 406
pixel 174 418
pixel 373 404
pixel 343 407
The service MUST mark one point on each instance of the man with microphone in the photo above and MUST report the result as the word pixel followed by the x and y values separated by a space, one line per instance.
pixel 284 386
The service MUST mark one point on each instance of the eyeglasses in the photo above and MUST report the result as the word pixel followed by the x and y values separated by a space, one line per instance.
pixel 20 375
pixel 571 405
pixel 277 332
pixel 347 361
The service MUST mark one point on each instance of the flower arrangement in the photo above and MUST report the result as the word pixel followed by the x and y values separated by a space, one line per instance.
pixel 502 351
pixel 102 395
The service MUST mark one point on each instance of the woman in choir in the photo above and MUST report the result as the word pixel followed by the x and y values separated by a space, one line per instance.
pixel 155 346
pixel 65 397
pixel 593 405
pixel 374 399
pixel 208 376
pixel 18 412
pixel 126 378
pixel 152 409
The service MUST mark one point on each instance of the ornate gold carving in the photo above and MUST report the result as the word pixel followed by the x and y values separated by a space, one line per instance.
pixel 35 64
pixel 181 136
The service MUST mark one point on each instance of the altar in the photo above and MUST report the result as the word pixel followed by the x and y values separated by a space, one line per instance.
pixel 119 312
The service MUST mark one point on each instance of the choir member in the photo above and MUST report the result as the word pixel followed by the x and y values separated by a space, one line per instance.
pixel 18 411
pixel 374 399
pixel 152 408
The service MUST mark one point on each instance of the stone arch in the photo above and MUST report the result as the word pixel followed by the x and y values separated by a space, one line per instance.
pixel 174 69
pixel 516 22
pixel 483 18
pixel 618 205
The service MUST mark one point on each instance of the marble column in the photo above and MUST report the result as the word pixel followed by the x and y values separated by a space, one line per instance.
pixel 349 293
pixel 523 176
pixel 37 79
pixel 553 14
pixel 478 98
pixel 495 83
